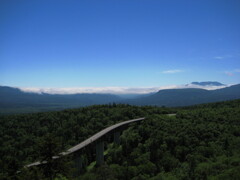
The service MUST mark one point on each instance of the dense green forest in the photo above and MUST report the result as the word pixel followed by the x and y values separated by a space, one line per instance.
pixel 200 142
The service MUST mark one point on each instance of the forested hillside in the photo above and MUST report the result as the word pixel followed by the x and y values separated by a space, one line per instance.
pixel 13 100
pixel 22 135
pixel 188 96
pixel 200 142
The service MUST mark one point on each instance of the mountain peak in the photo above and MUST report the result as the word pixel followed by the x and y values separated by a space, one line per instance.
pixel 208 83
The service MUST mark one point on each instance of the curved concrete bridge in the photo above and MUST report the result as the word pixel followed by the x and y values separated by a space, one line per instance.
pixel 95 139
pixel 100 134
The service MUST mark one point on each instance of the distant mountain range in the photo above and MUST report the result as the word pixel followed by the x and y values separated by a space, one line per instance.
pixel 208 83
pixel 13 100
pixel 188 96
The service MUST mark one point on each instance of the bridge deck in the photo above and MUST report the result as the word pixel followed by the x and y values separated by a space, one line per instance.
pixel 99 135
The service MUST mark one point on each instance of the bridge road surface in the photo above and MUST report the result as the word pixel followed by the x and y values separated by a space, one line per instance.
pixel 90 140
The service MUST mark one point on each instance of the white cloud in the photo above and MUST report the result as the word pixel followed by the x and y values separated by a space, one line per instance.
pixel 219 57
pixel 112 90
pixel 101 90
pixel 229 73
pixel 224 57
pixel 173 71
pixel 208 87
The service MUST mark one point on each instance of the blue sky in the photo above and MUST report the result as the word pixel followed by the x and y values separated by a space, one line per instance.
pixel 120 43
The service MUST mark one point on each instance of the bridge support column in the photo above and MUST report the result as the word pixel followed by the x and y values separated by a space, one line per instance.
pixel 117 137
pixel 78 164
pixel 100 152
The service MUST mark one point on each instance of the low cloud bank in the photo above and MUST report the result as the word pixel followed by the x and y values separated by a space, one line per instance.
pixel 112 90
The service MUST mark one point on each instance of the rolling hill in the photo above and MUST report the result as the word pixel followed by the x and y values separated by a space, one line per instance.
pixel 188 96
pixel 15 100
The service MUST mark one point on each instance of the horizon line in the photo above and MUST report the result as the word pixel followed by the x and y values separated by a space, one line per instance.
pixel 117 90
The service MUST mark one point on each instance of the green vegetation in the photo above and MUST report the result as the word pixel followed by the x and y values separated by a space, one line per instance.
pixel 21 135
pixel 200 142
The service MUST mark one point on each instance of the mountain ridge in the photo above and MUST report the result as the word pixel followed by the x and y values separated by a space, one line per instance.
pixel 208 83
pixel 15 100
pixel 188 96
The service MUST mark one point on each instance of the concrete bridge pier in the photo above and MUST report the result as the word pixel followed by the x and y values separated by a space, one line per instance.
pixel 100 152
pixel 78 163
pixel 116 137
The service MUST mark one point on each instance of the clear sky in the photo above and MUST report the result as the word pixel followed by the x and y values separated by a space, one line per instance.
pixel 123 43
